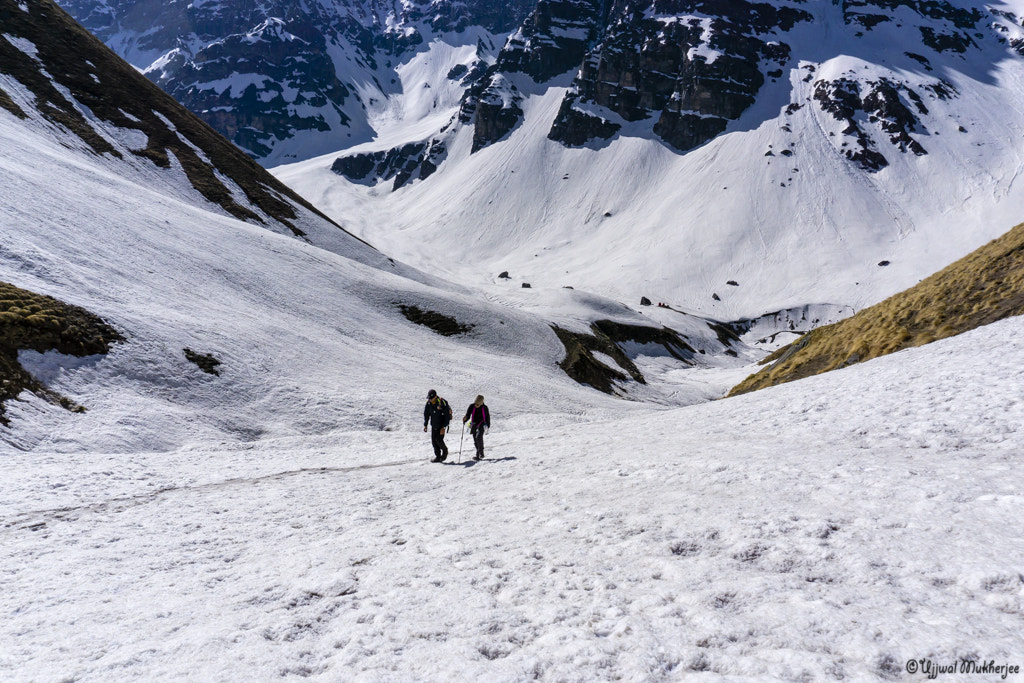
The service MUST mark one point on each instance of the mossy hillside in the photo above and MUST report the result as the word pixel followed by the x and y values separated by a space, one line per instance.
pixel 981 288
pixel 606 338
pixel 30 321
pixel 10 105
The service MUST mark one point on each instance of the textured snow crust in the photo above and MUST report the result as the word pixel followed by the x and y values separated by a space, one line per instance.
pixel 829 528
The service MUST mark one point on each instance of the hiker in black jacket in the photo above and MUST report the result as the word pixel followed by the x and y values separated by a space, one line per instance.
pixel 479 417
pixel 437 414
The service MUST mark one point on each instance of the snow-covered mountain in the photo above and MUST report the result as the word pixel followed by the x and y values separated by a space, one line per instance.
pixel 811 153
pixel 633 149
pixel 247 494
pixel 288 80
pixel 119 201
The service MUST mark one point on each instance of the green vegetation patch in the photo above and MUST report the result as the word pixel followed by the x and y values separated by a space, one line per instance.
pixel 442 324
pixel 42 323
pixel 981 288
pixel 581 364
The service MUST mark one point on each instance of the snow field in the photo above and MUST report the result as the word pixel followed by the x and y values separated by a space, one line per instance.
pixel 833 527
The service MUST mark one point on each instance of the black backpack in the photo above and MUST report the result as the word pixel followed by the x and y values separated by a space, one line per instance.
pixel 446 411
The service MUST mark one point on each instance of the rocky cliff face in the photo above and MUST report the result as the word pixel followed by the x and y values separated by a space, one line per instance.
pixel 554 38
pixel 285 82
pixel 552 41
pixel 672 61
pixel 292 85
pixel 280 80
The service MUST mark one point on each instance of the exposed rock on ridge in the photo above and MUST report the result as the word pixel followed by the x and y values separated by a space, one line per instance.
pixel 694 72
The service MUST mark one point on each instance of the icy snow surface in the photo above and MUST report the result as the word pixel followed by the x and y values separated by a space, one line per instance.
pixel 832 527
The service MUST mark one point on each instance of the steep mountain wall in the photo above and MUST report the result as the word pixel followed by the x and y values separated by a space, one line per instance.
pixel 283 81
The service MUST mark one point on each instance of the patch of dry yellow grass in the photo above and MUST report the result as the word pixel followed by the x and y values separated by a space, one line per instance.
pixel 981 288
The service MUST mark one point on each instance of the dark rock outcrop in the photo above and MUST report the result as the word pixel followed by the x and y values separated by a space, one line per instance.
pixel 695 65
pixel 417 160
pixel 881 102
pixel 554 38
pixel 942 26
pixel 493 105
pixel 444 325
pixel 574 127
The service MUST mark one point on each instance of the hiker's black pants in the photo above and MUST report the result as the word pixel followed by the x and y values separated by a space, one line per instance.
pixel 437 441
pixel 478 438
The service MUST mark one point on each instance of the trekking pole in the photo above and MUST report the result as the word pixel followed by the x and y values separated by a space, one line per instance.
pixel 461 440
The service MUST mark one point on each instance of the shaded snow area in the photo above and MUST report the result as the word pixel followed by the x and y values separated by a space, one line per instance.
pixel 830 528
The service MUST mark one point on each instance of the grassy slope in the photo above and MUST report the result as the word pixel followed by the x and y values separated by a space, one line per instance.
pixel 42 323
pixel 981 288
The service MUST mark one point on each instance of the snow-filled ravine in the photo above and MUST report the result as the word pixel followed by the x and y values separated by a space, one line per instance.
pixel 832 528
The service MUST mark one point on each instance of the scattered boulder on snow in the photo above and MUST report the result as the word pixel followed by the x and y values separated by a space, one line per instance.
pixel 733 283
pixel 883 263
pixel 644 301
pixel 716 297
pixel 504 275
pixel 526 285
pixel 205 361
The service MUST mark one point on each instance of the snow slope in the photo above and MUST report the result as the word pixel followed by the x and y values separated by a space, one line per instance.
pixel 309 331
pixel 310 340
pixel 831 528
pixel 281 520
pixel 631 217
